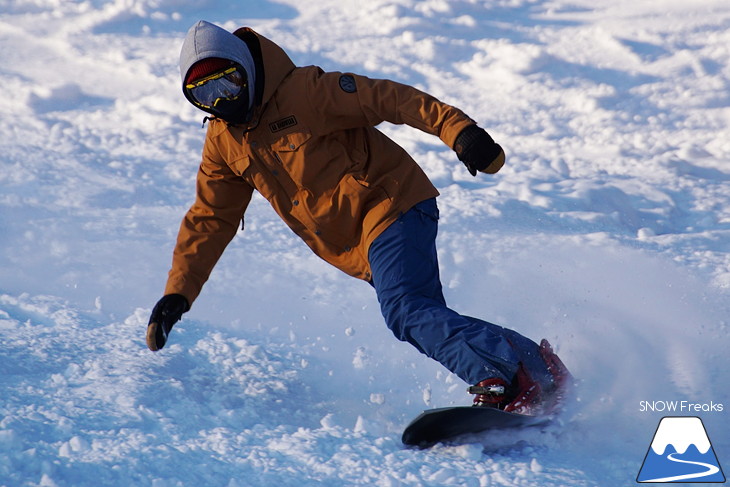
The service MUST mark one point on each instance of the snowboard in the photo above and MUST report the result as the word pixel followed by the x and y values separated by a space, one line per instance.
pixel 436 425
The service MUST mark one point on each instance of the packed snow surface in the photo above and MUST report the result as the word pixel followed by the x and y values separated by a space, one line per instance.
pixel 607 232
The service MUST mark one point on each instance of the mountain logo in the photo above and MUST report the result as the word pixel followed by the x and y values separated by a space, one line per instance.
pixel 681 452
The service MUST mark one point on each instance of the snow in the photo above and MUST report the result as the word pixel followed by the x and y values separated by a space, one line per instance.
pixel 607 232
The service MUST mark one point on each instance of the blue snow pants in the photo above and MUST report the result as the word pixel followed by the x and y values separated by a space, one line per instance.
pixel 405 275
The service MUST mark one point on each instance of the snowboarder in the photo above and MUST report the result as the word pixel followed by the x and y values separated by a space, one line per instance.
pixel 306 140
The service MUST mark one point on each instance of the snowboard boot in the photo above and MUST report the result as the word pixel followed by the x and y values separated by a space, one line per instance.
pixel 562 380
pixel 525 395
pixel 521 397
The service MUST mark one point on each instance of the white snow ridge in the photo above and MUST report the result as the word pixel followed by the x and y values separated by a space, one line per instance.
pixel 607 232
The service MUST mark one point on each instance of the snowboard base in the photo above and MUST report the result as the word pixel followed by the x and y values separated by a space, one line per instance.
pixel 441 424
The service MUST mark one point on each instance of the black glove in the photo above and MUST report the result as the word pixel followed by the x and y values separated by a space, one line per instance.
pixel 165 314
pixel 478 151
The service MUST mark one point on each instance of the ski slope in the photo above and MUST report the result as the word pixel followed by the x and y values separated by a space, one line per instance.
pixel 607 232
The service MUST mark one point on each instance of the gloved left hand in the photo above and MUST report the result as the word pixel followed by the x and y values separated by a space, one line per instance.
pixel 165 314
pixel 478 151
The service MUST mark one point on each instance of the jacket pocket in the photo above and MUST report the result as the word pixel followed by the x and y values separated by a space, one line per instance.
pixel 291 142
pixel 239 165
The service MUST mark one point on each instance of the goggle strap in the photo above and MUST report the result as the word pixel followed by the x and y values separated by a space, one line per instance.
pixel 213 76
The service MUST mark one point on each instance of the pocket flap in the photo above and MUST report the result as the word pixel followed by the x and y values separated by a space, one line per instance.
pixel 291 142
pixel 239 166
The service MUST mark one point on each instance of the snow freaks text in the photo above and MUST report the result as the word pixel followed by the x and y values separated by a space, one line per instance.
pixel 680 407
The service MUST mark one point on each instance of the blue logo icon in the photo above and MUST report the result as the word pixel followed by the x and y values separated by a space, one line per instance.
pixel 681 452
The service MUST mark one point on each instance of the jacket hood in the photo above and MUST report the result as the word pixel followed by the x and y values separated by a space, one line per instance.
pixel 205 40
pixel 274 64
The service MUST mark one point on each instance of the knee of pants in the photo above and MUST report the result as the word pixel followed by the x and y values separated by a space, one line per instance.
pixel 413 318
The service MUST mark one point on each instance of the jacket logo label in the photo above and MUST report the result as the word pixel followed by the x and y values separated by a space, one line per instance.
pixel 347 83
pixel 282 124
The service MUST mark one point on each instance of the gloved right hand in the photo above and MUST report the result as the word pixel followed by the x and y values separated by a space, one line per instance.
pixel 478 151
pixel 165 314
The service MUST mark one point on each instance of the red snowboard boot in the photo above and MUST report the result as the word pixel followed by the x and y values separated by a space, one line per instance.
pixel 524 395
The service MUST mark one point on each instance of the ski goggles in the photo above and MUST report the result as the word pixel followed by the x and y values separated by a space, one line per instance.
pixel 228 84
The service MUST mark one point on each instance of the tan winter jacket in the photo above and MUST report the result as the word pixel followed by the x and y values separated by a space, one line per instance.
pixel 312 151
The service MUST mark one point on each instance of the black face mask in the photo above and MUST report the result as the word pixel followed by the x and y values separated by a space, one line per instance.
pixel 232 111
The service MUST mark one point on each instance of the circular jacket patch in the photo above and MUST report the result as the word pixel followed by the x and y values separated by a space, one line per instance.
pixel 347 83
